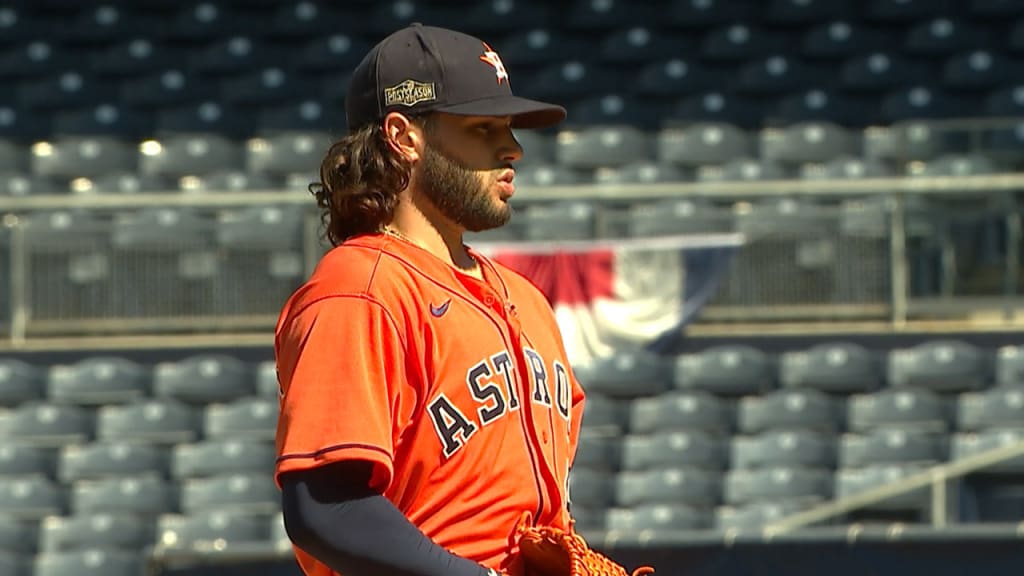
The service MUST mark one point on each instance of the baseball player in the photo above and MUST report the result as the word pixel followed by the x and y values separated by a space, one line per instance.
pixel 427 404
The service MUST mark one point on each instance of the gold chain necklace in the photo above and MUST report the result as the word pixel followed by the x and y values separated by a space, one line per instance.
pixel 392 232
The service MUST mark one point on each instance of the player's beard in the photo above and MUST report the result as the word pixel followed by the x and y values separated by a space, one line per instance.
pixel 458 193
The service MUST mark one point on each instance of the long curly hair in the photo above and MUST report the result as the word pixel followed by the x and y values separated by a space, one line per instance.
pixel 361 177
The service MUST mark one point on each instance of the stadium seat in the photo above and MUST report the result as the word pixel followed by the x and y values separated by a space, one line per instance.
pixel 267 383
pixel 20 382
pixel 190 155
pixel 592 489
pixel 152 420
pixel 203 379
pixel 908 141
pixel 742 487
pixel 657 517
pixel 541 175
pixel 739 41
pixel 145 496
pixel 726 370
pixel 17 536
pixel 21 184
pixel 847 167
pixel 614 111
pixel 1010 366
pixel 101 530
pixel 31 497
pixel 90 562
pixel 823 104
pixel 808 142
pixel 999 407
pixel 18 24
pixel 626 374
pixel 718 106
pixel 209 116
pixel 18 460
pixel 166 86
pixel 895 11
pixel 104 23
pixel 47 425
pixel 919 101
pixel 954 165
pixel 879 71
pixel 232 55
pixel 904 407
pixel 965 445
pixel 598 451
pixel 940 365
pixel 297 20
pixel 642 172
pixel 742 169
pixel 850 481
pixel 386 17
pixel 754 516
pixel 72 157
pixel 212 458
pixel 569 80
pixel 979 70
pixel 177 531
pixel 538 147
pixel 538 46
pixel 840 38
pixel 65 89
pixel 833 367
pixel 251 492
pixel 940 36
pixel 892 446
pixel 783 448
pixel 246 418
pixel 605 415
pixel 702 14
pixel 994 8
pixel 669 485
pixel 287 153
pixel 132 57
pixel 790 409
pixel 670 217
pixel 206 20
pixel 567 220
pixel 777 74
pixel 112 459
pixel 689 410
pixel 266 86
pixel 331 52
pixel 704 143
pixel 674 77
pixel 106 119
pixel 97 380
pixel 223 181
pixel 632 45
pixel 591 16
pixel 690 448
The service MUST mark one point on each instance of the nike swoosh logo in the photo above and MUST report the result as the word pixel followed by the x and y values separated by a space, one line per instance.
pixel 439 311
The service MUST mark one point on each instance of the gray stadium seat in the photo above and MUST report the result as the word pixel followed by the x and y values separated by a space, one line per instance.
pixel 589 518
pixel 791 484
pixel 278 532
pixel 612 110
pixel 904 407
pixel 85 531
pixel 671 75
pixel 1009 366
pixel 594 489
pixel 846 167
pixel 896 11
pixel 538 147
pixel 605 415
pixel 25 460
pixel 90 562
pixel 691 410
pixel 907 141
pixel 704 143
pixel 833 367
pixel 978 69
pixel 20 382
pixel 542 174
pixel 726 370
pixel 109 459
pixel 13 156
pixel 287 152
pixel 190 155
pixel 676 216
pixel 267 384
pixel 231 180
pixel 247 418
pixel 940 36
pixel 691 448
pixel 940 365
pixel 823 104
pixel 18 535
pixel 999 407
pixel 776 73
pixel 892 446
pixel 250 492
pixel 97 380
pixel 803 12
pixel 808 142
pixel 328 52
pixel 715 105
pixel 840 38
pixel 965 445
pixel 597 451
pixel 677 485
pixel 212 458
pixel 567 80
pixel 755 516
pixel 226 526
pixel 203 379
pixel 597 146
pixel 955 165
pixel 31 497
pixel 19 184
pixel 643 172
pixel 855 480
pixel 739 41
pixel 132 57
pixel 153 420
pixel 742 169
pixel 563 220
pixel 657 517
pixel 144 496
pixel 120 182
pixel 48 425
pixel 626 374
pixel 920 101
pixel 82 156
pixel 783 448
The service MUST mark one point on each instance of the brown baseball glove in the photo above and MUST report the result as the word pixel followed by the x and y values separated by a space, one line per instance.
pixel 548 551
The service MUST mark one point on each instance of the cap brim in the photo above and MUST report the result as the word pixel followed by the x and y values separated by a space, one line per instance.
pixel 525 113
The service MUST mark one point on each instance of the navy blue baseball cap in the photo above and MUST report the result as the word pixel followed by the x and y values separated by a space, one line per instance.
pixel 425 68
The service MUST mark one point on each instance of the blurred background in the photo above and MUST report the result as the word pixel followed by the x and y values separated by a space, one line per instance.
pixel 826 194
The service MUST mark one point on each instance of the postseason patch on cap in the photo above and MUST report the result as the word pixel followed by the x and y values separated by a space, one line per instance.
pixel 409 92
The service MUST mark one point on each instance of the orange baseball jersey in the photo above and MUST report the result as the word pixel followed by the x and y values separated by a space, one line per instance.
pixel 458 390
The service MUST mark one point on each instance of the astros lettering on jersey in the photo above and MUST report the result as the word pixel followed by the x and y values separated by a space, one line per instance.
pixel 457 389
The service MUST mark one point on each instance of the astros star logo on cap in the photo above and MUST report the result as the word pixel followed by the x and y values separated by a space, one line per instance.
pixel 492 58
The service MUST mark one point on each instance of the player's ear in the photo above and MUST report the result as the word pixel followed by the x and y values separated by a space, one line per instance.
pixel 402 136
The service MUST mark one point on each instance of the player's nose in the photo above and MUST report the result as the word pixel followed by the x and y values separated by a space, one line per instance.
pixel 512 152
